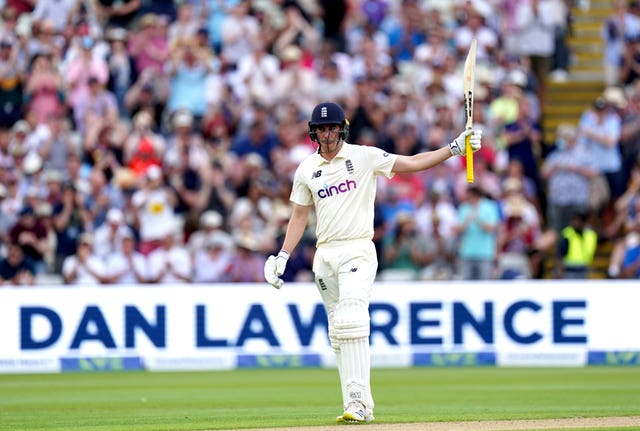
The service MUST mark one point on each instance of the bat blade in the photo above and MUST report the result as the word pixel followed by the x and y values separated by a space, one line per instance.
pixel 469 80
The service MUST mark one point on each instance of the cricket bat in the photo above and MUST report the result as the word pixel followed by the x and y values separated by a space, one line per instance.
pixel 469 72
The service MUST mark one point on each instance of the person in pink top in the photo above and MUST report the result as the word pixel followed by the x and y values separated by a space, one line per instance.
pixel 44 89
pixel 84 66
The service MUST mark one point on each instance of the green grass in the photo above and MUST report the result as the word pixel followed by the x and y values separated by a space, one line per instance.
pixel 269 398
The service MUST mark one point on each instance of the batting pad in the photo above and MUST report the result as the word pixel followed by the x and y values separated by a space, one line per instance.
pixel 335 345
pixel 356 366
pixel 351 319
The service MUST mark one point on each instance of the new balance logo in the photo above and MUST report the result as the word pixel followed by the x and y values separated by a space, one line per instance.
pixel 354 269
pixel 316 174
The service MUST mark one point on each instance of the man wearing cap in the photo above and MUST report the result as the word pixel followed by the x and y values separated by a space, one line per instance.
pixel 108 236
pixel 599 132
pixel 210 228
pixel 339 180
pixel 212 263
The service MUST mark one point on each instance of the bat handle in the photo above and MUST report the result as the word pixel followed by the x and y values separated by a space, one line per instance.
pixel 469 155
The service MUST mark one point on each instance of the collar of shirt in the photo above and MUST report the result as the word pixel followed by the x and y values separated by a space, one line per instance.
pixel 342 154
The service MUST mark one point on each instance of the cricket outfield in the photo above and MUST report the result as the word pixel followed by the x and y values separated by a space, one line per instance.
pixel 420 398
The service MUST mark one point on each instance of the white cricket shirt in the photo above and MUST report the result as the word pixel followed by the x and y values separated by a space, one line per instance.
pixel 343 190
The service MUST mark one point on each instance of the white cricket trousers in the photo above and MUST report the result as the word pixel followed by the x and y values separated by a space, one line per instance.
pixel 344 274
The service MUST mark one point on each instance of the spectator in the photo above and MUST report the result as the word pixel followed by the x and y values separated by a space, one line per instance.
pixel 12 203
pixel 626 222
pixel 297 29
pixel 150 49
pixel 439 251
pixel 247 263
pixel 334 14
pixel 256 73
pixel 477 227
pixel 16 268
pixel 122 68
pixel 184 26
pixel 97 104
pixel 532 34
pixel 100 198
pixel 213 261
pixel 170 262
pixel 125 265
pixel 630 131
pixel 475 26
pixel 31 235
pixel 599 132
pixel 58 142
pixel 630 63
pixel 576 248
pixel 185 144
pixel 617 31
pixel 210 226
pixel 188 70
pixel 108 235
pixel 44 213
pixel 143 148
pixel 516 239
pixel 260 139
pixel 79 71
pixel 142 96
pixel 83 267
pixel 631 260
pixel 57 12
pixel 69 221
pixel 239 33
pixel 103 147
pixel 6 220
pixel 118 13
pixel 403 250
pixel 523 139
pixel 12 80
pixel 296 80
pixel 567 171
pixel 154 210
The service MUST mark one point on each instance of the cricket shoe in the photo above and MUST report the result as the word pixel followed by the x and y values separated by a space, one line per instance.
pixel 356 413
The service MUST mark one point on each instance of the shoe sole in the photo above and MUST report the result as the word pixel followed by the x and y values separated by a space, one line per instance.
pixel 349 418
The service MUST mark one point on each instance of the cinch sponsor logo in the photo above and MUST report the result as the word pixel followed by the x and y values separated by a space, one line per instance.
pixel 343 187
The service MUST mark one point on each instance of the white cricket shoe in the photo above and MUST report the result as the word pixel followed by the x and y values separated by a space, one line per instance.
pixel 356 413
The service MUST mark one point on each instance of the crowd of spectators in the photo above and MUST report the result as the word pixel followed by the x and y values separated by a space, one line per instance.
pixel 156 141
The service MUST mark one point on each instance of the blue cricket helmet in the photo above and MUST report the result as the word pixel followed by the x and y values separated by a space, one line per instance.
pixel 328 113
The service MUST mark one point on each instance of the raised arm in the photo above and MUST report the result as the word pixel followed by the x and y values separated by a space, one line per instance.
pixel 429 159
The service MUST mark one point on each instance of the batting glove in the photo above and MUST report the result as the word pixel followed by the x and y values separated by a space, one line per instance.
pixel 274 268
pixel 457 146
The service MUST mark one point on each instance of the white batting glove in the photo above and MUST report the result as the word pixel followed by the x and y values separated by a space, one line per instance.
pixel 457 146
pixel 274 268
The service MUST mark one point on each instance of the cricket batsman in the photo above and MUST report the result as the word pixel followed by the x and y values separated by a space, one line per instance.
pixel 339 180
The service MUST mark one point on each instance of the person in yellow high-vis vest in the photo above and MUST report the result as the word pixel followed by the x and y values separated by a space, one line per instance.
pixel 576 248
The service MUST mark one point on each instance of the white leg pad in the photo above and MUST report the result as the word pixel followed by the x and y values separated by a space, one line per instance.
pixel 356 368
pixel 335 345
pixel 351 319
